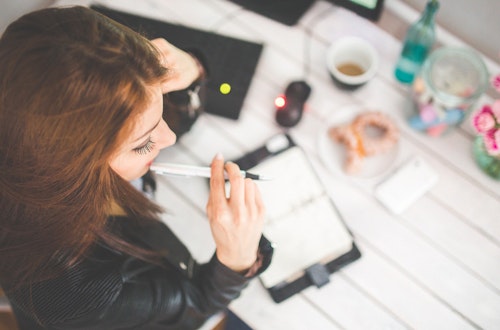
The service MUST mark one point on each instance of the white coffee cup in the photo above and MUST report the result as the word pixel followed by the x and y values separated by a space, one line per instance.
pixel 352 61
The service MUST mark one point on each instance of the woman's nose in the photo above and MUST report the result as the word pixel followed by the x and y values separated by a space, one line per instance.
pixel 166 136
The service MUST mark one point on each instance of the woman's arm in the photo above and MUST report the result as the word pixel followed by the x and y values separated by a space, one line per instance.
pixel 110 291
pixel 153 297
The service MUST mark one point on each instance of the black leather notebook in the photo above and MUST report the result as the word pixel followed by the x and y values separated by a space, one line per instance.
pixel 309 236
pixel 287 12
pixel 229 60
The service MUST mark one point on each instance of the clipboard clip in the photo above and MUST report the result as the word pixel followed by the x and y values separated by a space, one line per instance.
pixel 276 144
pixel 318 275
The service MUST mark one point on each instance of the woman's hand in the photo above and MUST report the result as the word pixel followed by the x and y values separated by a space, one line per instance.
pixel 236 222
pixel 183 69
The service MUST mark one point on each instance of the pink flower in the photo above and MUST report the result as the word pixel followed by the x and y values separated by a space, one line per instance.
pixel 492 142
pixel 495 109
pixel 496 82
pixel 484 120
pixel 487 122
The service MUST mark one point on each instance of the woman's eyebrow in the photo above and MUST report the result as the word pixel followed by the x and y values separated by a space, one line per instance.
pixel 149 131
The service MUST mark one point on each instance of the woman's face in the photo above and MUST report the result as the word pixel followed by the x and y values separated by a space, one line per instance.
pixel 149 135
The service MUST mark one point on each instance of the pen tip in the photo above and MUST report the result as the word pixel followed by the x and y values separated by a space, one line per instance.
pixel 257 177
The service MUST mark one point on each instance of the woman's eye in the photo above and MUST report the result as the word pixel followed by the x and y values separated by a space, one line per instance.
pixel 142 150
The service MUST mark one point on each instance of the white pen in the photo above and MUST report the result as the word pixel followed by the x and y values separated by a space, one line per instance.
pixel 191 170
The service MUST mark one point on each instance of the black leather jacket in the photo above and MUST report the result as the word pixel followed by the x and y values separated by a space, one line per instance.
pixel 109 290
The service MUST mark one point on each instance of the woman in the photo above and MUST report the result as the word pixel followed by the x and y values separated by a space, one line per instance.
pixel 80 248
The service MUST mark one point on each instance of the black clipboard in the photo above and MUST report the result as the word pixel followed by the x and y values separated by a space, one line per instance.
pixel 367 9
pixel 287 12
pixel 228 60
pixel 308 219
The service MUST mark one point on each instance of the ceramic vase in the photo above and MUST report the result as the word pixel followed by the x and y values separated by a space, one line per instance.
pixel 490 164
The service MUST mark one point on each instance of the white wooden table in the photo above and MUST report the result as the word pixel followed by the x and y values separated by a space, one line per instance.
pixel 435 266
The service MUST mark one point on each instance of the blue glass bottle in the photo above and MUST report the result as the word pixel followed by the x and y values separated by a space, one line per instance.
pixel 417 44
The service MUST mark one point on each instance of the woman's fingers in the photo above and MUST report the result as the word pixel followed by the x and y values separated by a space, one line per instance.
pixel 217 194
pixel 164 47
pixel 237 197
pixel 182 67
pixel 236 221
pixel 250 201
pixel 260 204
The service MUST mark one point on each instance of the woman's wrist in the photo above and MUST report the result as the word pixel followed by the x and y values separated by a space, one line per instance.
pixel 252 271
pixel 245 269
pixel 236 264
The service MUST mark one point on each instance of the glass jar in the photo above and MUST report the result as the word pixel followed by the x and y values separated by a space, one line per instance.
pixel 450 82
pixel 488 163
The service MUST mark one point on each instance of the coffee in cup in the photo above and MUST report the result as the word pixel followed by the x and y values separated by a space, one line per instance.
pixel 351 61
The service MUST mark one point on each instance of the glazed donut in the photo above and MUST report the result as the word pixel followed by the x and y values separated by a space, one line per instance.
pixel 354 152
pixel 376 145
pixel 358 144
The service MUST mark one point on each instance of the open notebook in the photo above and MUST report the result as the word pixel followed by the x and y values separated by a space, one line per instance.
pixel 309 236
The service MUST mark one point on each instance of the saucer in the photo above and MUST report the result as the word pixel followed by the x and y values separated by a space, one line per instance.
pixel 333 153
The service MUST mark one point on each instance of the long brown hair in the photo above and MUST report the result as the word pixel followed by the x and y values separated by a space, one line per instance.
pixel 71 83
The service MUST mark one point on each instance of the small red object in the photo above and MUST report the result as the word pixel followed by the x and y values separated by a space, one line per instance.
pixel 280 102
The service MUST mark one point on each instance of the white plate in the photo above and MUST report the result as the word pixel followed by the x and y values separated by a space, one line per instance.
pixel 333 153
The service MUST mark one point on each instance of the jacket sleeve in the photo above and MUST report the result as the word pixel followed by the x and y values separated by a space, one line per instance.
pixel 110 290
pixel 152 296
pixel 165 297
pixel 180 294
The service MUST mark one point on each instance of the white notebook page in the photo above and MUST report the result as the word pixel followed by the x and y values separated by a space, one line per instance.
pixel 301 220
